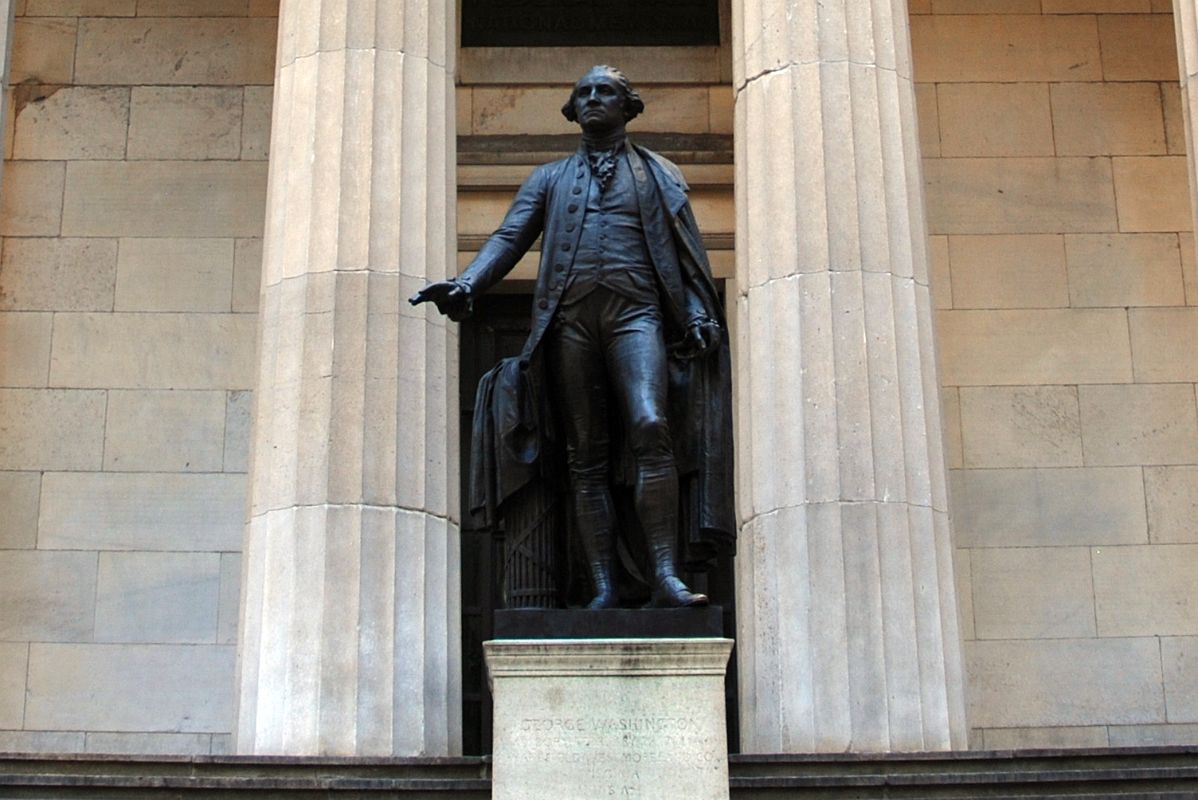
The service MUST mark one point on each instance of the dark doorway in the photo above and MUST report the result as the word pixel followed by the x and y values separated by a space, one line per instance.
pixel 589 23
pixel 497 329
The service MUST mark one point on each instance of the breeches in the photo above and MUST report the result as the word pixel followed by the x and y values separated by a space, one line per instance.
pixel 607 344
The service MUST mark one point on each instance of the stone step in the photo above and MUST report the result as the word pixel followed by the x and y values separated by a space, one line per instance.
pixel 1124 774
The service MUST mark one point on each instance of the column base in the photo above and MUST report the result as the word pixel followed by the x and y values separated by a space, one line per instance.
pixel 578 719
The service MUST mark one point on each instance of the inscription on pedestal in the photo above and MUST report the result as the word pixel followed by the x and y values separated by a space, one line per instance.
pixel 607 722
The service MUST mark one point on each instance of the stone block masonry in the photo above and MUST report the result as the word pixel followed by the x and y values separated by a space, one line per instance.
pixel 1056 175
pixel 134 194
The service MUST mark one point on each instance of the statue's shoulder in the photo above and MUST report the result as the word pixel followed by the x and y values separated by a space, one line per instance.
pixel 550 170
pixel 667 167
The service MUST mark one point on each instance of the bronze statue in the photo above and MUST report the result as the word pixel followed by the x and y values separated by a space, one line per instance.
pixel 628 349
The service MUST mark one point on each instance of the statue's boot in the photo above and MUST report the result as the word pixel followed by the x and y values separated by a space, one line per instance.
pixel 600 547
pixel 670 591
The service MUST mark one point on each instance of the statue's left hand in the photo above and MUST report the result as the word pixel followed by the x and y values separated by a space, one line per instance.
pixel 702 337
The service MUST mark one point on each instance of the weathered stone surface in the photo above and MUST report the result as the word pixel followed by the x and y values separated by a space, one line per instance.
pixel 173 351
pixel 32 200
pixel 247 275
pixel 1032 593
pixel 157 598
pixel 180 688
pixel 162 198
pixel 1101 119
pixel 43 51
pixel 1049 507
pixel 185 122
pixel 1005 271
pixel 1138 47
pixel 80 8
pixel 148 744
pixel 41 742
pixel 1001 48
pixel 19 497
pixel 1146 590
pixel 609 717
pixel 1048 346
pixel 1152 735
pixel 47 596
pixel 1172 494
pixel 238 412
pixel 995 119
pixel 60 274
pixel 1162 339
pixel 175 274
pixel 1050 738
pixel 1179 654
pixel 1064 682
pixel 1020 426
pixel 255 123
pixel 72 122
pixel 182 51
pixel 230 598
pixel 1139 424
pixel 1152 193
pixel 1021 195
pixel 164 431
pixel 44 429
pixel 13 665
pixel 113 511
pixel 1120 270
pixel 25 342
pixel 193 8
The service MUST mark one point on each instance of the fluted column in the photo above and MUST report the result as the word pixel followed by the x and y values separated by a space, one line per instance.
pixel 848 635
pixel 350 603
pixel 1185 22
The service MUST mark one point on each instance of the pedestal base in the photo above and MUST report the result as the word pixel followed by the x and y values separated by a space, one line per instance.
pixel 583 719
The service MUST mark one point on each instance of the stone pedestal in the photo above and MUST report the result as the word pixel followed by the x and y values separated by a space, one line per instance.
pixel 846 611
pixel 350 640
pixel 581 719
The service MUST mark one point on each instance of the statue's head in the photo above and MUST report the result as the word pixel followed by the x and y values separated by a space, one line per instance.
pixel 603 98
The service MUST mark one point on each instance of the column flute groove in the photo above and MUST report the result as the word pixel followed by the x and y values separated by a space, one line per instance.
pixel 848 636
pixel 350 607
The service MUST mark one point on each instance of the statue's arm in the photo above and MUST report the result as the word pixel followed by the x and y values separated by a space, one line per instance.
pixel 502 250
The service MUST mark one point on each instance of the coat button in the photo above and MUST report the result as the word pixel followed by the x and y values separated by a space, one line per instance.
pixel 543 304
pixel 559 268
pixel 577 190
pixel 572 207
pixel 566 246
pixel 570 228
pixel 579 175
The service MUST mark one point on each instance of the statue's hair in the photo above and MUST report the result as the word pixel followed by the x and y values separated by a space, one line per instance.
pixel 633 105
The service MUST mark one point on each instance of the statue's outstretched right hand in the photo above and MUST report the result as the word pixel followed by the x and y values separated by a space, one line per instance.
pixel 451 298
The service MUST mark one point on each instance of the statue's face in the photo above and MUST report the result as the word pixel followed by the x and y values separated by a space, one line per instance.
pixel 599 102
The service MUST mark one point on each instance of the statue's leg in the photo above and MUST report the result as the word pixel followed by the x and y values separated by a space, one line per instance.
pixel 636 360
pixel 579 382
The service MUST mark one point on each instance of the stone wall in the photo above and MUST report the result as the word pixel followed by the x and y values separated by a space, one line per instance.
pixel 132 206
pixel 132 210
pixel 1060 218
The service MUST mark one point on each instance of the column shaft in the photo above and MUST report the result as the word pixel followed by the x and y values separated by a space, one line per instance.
pixel 848 624
pixel 1185 22
pixel 350 599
